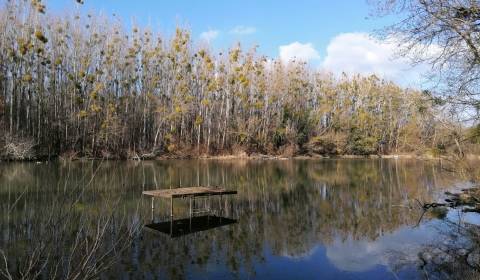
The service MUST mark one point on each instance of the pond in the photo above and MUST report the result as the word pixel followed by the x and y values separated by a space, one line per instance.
pixel 303 219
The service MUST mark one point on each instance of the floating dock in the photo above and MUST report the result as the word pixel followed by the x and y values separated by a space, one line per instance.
pixel 191 193
pixel 188 192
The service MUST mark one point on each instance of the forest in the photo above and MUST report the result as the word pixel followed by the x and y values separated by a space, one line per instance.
pixel 85 85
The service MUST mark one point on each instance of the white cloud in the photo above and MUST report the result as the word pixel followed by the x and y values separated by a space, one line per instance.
pixel 243 30
pixel 360 53
pixel 209 35
pixel 390 249
pixel 296 50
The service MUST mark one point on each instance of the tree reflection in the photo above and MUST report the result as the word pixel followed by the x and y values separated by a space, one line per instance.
pixel 284 207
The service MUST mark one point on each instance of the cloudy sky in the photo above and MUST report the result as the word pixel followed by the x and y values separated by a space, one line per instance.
pixel 331 35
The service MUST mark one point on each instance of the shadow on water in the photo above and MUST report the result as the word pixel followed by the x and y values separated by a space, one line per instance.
pixel 181 227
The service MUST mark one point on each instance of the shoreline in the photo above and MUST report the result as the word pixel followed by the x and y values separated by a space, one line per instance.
pixel 242 156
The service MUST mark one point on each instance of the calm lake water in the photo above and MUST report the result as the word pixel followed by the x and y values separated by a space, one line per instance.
pixel 291 219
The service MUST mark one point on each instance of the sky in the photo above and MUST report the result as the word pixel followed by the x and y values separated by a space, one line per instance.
pixel 329 35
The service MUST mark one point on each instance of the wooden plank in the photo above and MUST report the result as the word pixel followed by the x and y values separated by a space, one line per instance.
pixel 188 192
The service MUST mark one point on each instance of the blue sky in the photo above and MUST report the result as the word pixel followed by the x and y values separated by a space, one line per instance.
pixel 327 34
pixel 275 22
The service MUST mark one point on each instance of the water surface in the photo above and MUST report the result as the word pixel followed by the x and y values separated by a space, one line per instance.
pixel 304 219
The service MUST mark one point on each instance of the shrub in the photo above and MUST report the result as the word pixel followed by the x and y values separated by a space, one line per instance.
pixel 323 145
pixel 363 145
pixel 17 149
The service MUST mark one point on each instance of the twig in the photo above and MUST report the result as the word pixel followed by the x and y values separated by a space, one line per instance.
pixel 5 272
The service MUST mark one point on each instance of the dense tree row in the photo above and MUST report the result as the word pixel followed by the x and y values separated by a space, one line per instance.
pixel 82 84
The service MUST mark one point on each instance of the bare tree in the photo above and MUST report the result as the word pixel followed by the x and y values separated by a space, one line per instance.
pixel 446 34
pixel 88 86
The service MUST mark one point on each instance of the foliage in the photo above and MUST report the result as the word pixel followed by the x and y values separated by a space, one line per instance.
pixel 85 85
pixel 324 145
pixel 473 134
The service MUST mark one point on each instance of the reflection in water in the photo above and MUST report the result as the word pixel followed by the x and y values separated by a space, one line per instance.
pixel 296 218
pixel 176 228
pixel 389 249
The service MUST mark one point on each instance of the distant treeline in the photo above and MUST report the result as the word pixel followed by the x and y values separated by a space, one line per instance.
pixel 82 85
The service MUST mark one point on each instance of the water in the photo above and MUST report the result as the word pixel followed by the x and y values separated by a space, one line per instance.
pixel 304 219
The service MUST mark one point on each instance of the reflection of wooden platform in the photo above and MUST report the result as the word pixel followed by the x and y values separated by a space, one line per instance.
pixel 187 192
pixel 182 227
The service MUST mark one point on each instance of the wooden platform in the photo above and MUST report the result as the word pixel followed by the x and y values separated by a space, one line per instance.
pixel 188 192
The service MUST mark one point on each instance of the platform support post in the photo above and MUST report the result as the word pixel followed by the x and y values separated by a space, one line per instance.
pixel 190 207
pixel 171 207
pixel 208 208
pixel 153 207
pixel 220 207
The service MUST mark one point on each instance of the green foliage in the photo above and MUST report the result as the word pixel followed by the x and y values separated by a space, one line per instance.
pixel 360 143
pixel 300 120
pixel 39 35
pixel 323 145
pixel 279 137
pixel 436 151
pixel 473 134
